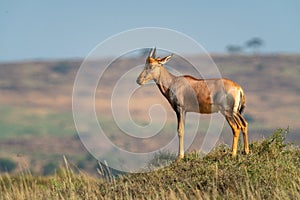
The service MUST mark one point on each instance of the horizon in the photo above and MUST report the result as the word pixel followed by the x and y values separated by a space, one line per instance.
pixel 211 54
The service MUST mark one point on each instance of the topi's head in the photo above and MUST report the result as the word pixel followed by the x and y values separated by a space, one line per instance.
pixel 152 67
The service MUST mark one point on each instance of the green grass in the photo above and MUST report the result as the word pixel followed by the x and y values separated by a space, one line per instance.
pixel 18 122
pixel 270 171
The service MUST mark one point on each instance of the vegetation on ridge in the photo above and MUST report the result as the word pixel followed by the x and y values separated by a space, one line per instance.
pixel 270 171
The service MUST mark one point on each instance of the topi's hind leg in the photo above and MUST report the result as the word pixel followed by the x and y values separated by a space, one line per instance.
pixel 245 134
pixel 236 133
pixel 237 120
pixel 235 130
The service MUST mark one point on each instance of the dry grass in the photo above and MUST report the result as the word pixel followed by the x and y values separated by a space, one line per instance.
pixel 270 171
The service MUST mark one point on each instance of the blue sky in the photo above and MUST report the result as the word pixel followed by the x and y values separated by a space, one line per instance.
pixel 66 29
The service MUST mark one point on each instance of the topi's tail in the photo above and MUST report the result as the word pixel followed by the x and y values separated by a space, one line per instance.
pixel 242 102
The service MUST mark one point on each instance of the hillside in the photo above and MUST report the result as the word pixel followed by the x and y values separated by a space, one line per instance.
pixel 35 106
pixel 271 171
pixel 271 83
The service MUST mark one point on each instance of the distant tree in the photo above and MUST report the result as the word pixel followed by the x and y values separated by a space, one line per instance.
pixel 7 165
pixel 81 164
pixel 49 168
pixel 61 68
pixel 254 43
pixel 249 118
pixel 233 49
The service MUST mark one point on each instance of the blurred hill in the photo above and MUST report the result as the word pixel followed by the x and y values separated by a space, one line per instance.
pixel 36 125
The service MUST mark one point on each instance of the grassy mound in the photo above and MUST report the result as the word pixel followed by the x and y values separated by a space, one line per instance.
pixel 270 171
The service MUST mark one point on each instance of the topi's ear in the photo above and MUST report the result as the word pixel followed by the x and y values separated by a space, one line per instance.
pixel 165 59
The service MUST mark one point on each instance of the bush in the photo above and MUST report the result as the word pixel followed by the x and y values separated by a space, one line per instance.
pixel 61 68
pixel 49 168
pixel 81 164
pixel 249 118
pixel 7 165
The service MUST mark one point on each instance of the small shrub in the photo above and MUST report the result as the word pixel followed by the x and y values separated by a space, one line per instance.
pixel 7 165
pixel 49 168
pixel 61 68
pixel 275 144
pixel 162 159
pixel 81 164
pixel 260 67
pixel 249 118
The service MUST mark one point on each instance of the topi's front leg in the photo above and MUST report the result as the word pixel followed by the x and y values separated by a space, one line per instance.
pixel 180 129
